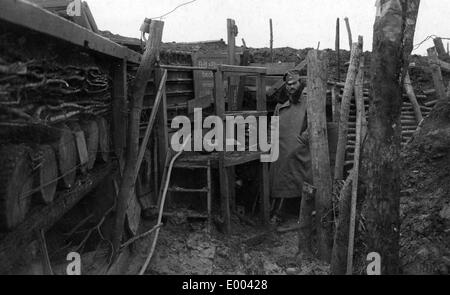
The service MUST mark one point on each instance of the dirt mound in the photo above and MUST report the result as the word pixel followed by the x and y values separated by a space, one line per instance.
pixel 425 204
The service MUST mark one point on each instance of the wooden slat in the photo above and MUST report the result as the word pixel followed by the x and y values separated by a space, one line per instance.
pixel 41 20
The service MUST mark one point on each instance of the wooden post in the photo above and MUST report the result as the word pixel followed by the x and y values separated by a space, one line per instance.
pixel 232 81
pixel 340 244
pixel 338 49
pixel 264 192
pixel 349 31
pixel 440 49
pixel 335 104
pixel 359 99
pixel 271 41
pixel 381 166
pixel 145 70
pixel 305 219
pixel 437 74
pixel 412 98
pixel 119 114
pixel 345 109
pixel 317 122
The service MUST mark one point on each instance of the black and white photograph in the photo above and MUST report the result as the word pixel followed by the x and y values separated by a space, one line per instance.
pixel 212 139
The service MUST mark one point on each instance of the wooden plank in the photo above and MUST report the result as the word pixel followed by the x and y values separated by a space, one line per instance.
pixel 241 69
pixel 41 20
pixel 440 49
pixel 90 17
pixel 261 103
pixel 15 243
pixel 276 69
pixel 316 104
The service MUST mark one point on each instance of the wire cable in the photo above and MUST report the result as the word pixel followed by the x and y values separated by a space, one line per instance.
pixel 173 10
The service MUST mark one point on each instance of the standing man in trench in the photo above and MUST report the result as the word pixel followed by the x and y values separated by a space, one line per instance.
pixel 294 163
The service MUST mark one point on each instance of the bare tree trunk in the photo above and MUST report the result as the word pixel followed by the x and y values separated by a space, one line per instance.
pixel 381 157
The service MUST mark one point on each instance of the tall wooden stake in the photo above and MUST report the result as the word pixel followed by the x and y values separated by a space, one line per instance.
pixel 338 49
pixel 345 109
pixel 349 31
pixel 359 98
pixel 145 70
pixel 271 41
pixel 317 122
pixel 381 169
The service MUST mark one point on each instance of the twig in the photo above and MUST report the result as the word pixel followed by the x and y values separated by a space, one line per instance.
pixel 131 241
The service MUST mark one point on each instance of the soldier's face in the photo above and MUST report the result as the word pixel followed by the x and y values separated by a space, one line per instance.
pixel 292 86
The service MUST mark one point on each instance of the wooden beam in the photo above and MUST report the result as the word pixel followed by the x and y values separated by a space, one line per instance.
pixel 41 20
pixel 240 69
pixel 13 245
pixel 317 122
pixel 144 73
pixel 345 108
pixel 156 108
pixel 437 74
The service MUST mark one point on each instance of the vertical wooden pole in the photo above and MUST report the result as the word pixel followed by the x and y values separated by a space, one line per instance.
pixel 437 74
pixel 232 81
pixel 317 122
pixel 340 244
pixel 359 98
pixel 345 109
pixel 338 49
pixel 145 70
pixel 264 192
pixel 271 41
pixel 219 97
pixel 119 106
pixel 349 31
pixel 335 105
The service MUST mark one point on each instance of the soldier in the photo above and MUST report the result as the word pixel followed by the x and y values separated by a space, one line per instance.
pixel 294 164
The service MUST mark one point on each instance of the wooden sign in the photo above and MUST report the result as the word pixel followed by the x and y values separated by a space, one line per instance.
pixel 204 80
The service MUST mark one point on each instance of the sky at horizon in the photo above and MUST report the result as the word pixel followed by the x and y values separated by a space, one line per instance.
pixel 296 23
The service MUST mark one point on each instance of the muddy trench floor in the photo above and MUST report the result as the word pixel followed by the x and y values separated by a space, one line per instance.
pixel 187 249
